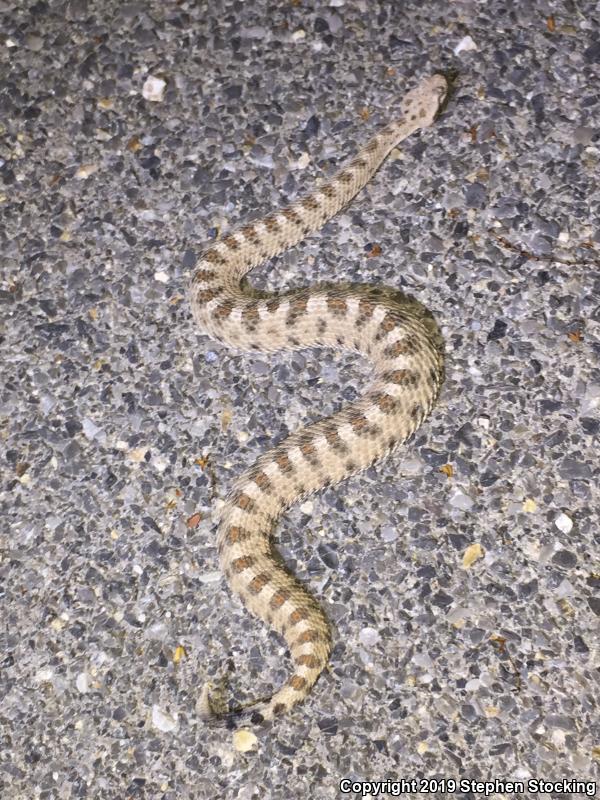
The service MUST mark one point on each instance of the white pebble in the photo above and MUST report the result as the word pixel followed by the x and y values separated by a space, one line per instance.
pixel 161 276
pixel 590 402
pixel 389 534
pixel 422 660
pixel 461 501
pixel 83 682
pixel 160 463
pixel 263 160
pixel 137 454
pixel 412 465
pixel 154 89
pixel 85 170
pixel 368 637
pixel 558 738
pixel 158 631
pixel 90 429
pixel 465 44
pixel 307 507
pixel 163 721
pixel 244 741
pixel 210 577
pixel 44 675
pixel 47 403
pixel 564 523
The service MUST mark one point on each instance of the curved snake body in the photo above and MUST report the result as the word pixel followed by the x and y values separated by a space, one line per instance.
pixel 396 337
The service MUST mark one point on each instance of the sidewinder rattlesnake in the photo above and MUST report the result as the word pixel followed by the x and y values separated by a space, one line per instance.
pixel 394 333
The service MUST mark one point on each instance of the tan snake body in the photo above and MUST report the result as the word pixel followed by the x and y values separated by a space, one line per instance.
pixel 396 336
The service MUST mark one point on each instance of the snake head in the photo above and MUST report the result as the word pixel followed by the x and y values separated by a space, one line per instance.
pixel 423 104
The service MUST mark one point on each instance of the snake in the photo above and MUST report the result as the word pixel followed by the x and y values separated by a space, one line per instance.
pixel 404 349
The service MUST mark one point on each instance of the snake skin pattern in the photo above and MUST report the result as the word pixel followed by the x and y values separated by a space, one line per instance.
pixel 397 337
